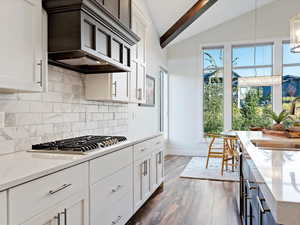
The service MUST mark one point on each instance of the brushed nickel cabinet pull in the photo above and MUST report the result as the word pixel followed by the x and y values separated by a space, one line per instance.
pixel 65 216
pixel 249 186
pixel 139 94
pixel 40 64
pixel 115 89
pixel 59 189
pixel 57 218
pixel 114 190
pixel 263 211
pixel 117 220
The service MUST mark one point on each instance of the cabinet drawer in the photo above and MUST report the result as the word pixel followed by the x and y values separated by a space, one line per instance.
pixel 157 143
pixel 29 199
pixel 109 191
pixel 3 208
pixel 113 187
pixel 142 149
pixel 117 213
pixel 109 164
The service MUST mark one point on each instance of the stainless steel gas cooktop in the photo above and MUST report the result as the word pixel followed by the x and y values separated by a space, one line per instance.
pixel 78 145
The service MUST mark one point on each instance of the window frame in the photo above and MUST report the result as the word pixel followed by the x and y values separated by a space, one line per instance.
pixel 277 70
pixel 202 77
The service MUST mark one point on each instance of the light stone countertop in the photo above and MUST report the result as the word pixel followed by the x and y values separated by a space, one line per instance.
pixel 278 173
pixel 21 167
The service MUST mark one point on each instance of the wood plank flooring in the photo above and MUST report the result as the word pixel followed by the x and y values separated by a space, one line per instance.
pixel 188 201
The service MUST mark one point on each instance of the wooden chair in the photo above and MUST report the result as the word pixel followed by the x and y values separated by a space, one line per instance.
pixel 230 153
pixel 212 153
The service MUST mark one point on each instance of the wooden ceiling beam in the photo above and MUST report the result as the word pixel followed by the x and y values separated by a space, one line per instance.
pixel 187 19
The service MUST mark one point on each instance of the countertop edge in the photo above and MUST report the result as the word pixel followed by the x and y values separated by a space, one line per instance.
pixel 278 207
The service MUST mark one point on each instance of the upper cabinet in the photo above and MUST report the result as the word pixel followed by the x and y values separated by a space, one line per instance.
pixel 91 36
pixel 120 9
pixel 138 63
pixel 107 87
pixel 23 42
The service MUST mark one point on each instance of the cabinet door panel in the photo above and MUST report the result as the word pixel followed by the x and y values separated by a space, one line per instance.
pixel 102 42
pixel 112 6
pixel 21 44
pixel 159 167
pixel 125 12
pixel 146 182
pixel 50 217
pixel 120 86
pixel 116 50
pixel 137 181
pixel 141 83
pixel 133 81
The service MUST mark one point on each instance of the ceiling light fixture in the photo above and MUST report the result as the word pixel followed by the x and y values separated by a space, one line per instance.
pixel 295 34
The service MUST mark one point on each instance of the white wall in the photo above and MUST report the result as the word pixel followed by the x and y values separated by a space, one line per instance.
pixel 186 123
pixel 145 120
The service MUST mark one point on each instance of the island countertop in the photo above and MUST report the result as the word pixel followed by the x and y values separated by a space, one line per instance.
pixel 279 172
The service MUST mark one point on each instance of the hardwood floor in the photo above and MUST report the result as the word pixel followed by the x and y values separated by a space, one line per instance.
pixel 188 201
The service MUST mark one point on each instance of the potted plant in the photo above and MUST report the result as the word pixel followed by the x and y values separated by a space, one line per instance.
pixel 279 119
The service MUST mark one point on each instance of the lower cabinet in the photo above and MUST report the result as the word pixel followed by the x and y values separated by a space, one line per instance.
pixel 73 211
pixel 3 208
pixel 107 190
pixel 112 198
pixel 60 197
pixel 142 182
pixel 148 171
pixel 253 206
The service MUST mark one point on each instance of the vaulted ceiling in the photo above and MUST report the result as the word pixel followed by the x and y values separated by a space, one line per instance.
pixel 166 12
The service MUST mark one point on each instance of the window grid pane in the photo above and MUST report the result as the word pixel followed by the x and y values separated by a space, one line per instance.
pixel 251 103
pixel 213 73
pixel 290 79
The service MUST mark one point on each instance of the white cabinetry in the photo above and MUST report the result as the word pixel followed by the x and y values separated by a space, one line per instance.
pixel 54 193
pixel 3 208
pixel 148 169
pixel 23 56
pixel 107 87
pixel 138 63
pixel 111 190
pixel 73 211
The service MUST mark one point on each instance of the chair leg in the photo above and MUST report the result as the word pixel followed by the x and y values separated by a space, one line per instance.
pixel 207 161
pixel 222 166
pixel 209 150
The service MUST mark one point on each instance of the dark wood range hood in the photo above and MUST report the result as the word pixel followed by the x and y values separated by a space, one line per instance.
pixel 90 36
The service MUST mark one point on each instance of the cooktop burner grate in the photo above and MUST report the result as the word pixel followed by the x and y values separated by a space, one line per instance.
pixel 79 144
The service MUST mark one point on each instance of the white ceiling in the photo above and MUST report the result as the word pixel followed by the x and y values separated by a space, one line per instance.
pixel 166 12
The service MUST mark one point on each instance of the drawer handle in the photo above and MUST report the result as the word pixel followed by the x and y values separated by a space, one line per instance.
pixel 259 200
pixel 114 190
pixel 57 218
pixel 59 189
pixel 157 143
pixel 249 185
pixel 143 149
pixel 117 220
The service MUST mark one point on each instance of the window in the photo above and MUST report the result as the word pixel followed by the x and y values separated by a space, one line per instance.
pixel 213 70
pixel 291 78
pixel 252 69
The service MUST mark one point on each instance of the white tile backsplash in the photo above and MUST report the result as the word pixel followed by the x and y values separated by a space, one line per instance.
pixel 62 112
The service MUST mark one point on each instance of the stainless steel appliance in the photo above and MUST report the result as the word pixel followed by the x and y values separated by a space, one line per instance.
pixel 78 145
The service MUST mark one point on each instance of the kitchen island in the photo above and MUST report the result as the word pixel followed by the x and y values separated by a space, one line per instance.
pixel 270 180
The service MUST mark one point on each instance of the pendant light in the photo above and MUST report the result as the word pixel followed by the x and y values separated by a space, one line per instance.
pixel 295 34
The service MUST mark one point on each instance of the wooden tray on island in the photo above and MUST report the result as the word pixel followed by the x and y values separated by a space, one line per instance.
pixel 285 133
